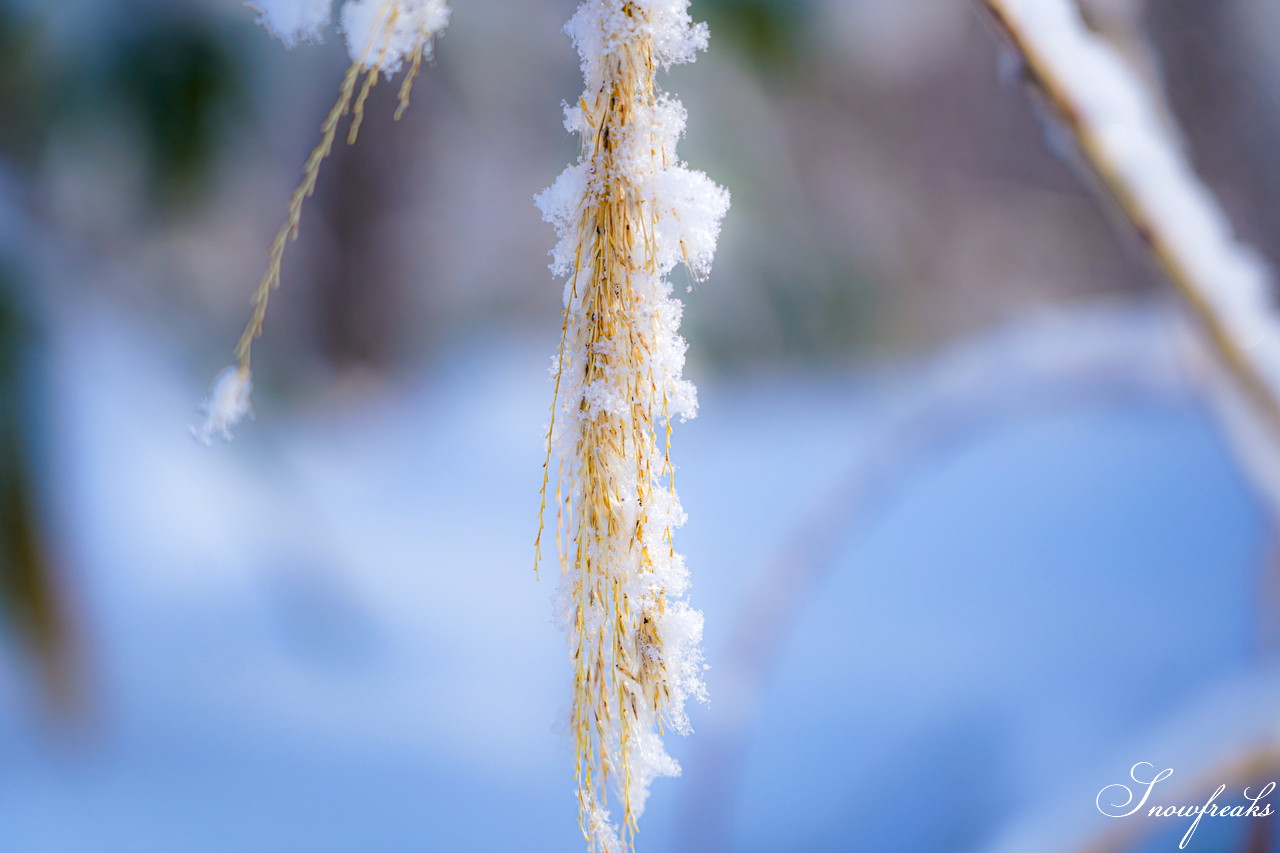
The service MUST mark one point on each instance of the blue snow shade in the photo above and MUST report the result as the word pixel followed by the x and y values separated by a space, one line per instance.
pixel 1022 615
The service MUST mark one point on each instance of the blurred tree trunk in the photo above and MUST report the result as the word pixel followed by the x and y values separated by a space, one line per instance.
pixel 31 600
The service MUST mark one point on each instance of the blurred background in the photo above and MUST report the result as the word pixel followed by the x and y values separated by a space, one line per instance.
pixel 968 535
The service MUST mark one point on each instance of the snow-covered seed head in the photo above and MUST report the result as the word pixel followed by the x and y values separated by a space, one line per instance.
pixel 625 214
pixel 226 406
pixel 381 36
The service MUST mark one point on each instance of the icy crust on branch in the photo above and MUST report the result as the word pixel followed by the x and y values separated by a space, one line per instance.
pixel 379 34
pixel 625 215
pixel 1118 112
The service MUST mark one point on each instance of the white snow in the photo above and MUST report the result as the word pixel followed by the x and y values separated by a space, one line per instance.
pixel 226 406
pixel 293 21
pixel 379 33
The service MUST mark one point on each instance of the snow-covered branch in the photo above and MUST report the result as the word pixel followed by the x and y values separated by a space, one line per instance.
pixel 1117 129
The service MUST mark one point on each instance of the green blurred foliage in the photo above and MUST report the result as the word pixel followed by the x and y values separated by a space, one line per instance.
pixel 174 80
pixel 25 81
pixel 180 82
pixel 771 34
pixel 818 319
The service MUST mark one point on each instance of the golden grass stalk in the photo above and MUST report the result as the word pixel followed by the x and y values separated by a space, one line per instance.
pixel 377 46
pixel 617 662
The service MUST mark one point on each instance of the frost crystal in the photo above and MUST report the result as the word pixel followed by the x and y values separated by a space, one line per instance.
pixel 626 213
pixel 227 405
